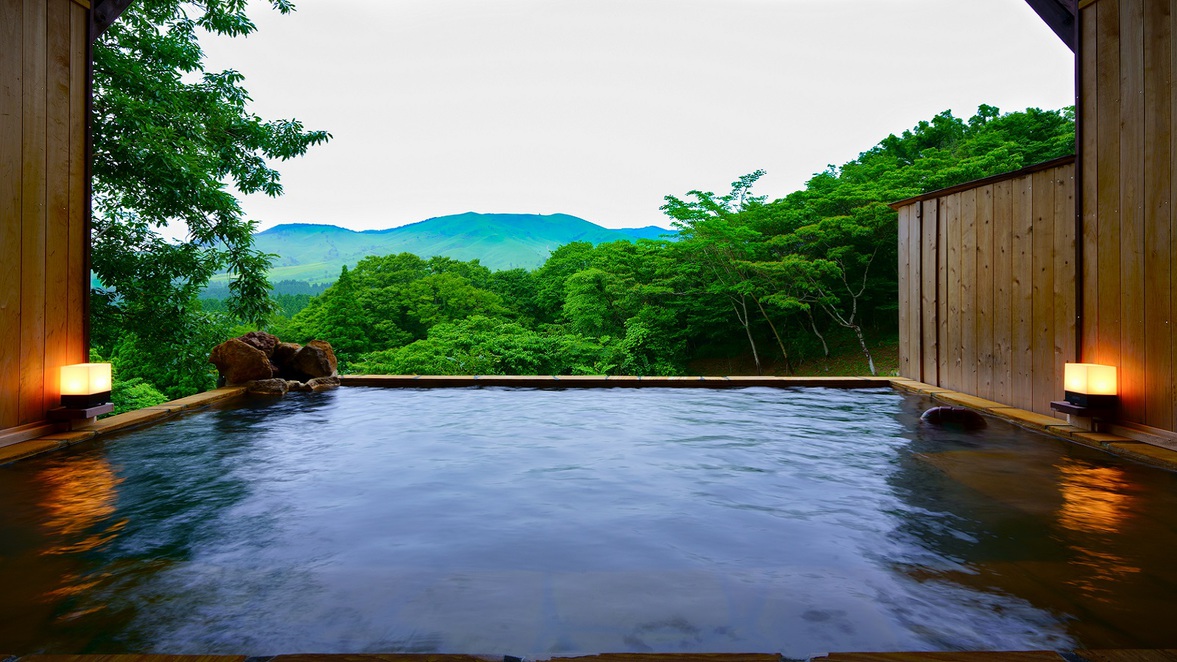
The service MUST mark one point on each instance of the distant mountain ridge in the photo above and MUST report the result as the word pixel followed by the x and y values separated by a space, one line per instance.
pixel 315 253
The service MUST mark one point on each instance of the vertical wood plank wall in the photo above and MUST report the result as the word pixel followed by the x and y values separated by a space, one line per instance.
pixel 989 276
pixel 43 88
pixel 1127 58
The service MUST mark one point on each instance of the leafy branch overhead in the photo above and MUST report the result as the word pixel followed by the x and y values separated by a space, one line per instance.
pixel 174 144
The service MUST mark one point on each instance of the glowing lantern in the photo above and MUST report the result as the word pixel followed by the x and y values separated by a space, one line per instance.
pixel 85 384
pixel 1090 385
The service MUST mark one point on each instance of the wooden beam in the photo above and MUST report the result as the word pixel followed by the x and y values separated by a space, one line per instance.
pixel 104 13
pixel 1059 16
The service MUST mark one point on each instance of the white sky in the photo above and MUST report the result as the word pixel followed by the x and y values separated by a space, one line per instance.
pixel 599 108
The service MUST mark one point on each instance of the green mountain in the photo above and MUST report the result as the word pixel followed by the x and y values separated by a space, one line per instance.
pixel 315 253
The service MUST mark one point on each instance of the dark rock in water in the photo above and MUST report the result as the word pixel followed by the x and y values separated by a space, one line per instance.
pixel 954 416
pixel 261 340
pixel 240 363
pixel 267 387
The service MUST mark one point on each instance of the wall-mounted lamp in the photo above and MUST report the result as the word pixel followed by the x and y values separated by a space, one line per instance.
pixel 1090 385
pixel 1091 394
pixel 85 385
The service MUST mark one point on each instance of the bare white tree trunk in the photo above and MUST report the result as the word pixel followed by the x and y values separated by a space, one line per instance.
pixel 862 342
pixel 813 325
pixel 747 329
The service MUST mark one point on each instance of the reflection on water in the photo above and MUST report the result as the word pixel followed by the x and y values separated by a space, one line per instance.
pixel 1095 499
pixel 1098 502
pixel 77 497
pixel 1105 573
pixel 1073 531
pixel 545 523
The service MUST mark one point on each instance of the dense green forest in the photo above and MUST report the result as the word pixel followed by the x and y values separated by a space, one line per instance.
pixel 774 282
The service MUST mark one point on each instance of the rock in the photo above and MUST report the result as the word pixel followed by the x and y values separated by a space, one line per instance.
pixel 319 384
pixel 283 352
pixel 954 416
pixel 239 362
pixel 295 385
pixel 261 340
pixel 267 387
pixel 315 359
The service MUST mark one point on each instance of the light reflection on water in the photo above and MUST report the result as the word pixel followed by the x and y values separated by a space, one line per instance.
pixel 78 497
pixel 1096 500
pixel 545 523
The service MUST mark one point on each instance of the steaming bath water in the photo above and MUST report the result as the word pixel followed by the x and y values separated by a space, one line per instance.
pixel 551 523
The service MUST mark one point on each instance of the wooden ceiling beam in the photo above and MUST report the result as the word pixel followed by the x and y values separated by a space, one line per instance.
pixel 1060 16
pixel 103 13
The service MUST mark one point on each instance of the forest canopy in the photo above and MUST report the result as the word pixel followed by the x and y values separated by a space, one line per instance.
pixel 772 281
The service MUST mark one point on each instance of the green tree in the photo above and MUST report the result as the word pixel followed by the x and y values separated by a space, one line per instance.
pixel 479 345
pixel 173 144
pixel 518 290
pixel 714 230
pixel 390 301
pixel 551 278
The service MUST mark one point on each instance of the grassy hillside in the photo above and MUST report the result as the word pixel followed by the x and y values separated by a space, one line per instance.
pixel 315 253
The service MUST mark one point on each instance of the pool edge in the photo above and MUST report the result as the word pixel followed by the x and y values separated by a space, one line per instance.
pixel 1124 447
pixel 1130 449
pixel 119 423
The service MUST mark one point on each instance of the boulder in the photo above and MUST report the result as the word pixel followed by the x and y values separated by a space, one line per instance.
pixel 283 353
pixel 295 385
pixel 315 359
pixel 267 387
pixel 261 340
pixel 239 362
pixel 319 384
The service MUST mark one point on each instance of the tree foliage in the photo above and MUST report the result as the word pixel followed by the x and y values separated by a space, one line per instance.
pixel 776 281
pixel 770 279
pixel 174 144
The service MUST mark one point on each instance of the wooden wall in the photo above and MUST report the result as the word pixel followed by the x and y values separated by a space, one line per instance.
pixel 1127 58
pixel 987 286
pixel 43 93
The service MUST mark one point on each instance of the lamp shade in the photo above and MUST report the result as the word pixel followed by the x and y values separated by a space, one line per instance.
pixel 85 384
pixel 1090 384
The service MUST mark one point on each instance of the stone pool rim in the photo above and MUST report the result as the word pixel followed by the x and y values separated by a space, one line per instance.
pixel 1130 449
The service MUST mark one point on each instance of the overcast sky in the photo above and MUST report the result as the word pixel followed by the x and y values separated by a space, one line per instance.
pixel 599 108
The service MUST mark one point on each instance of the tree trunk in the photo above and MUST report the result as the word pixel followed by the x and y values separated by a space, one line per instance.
pixel 748 329
pixel 862 341
pixel 784 353
pixel 813 325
